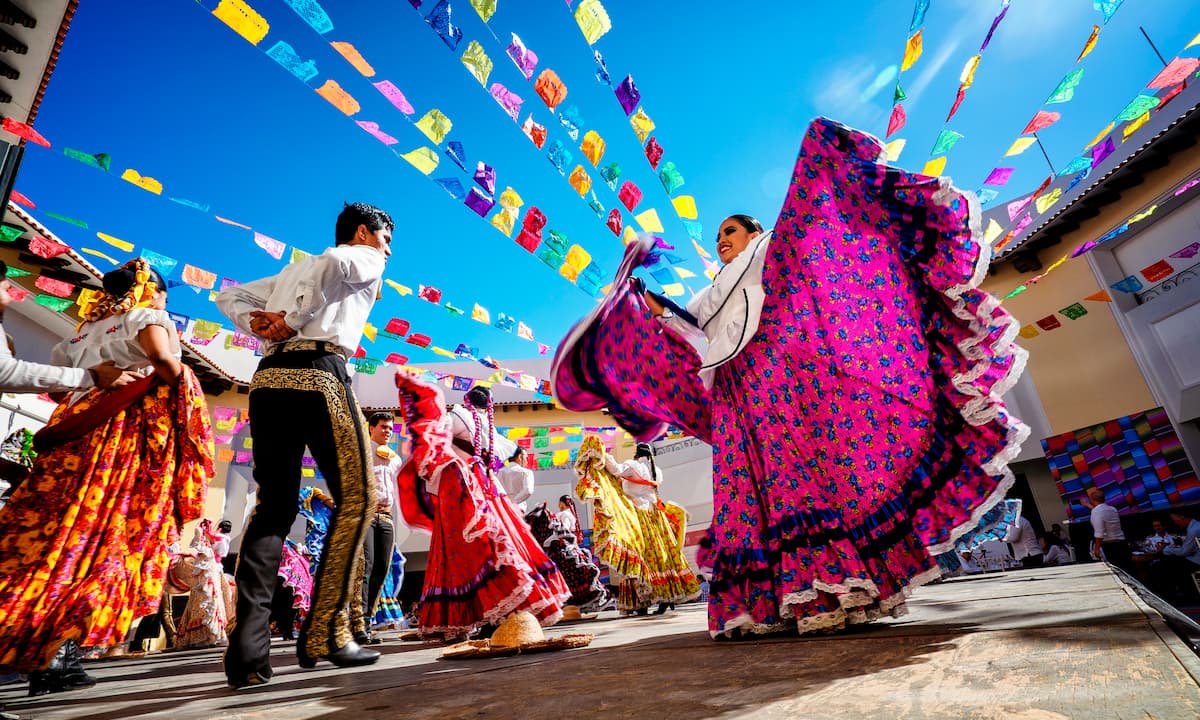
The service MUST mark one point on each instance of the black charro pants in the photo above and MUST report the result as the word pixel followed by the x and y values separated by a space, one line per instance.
pixel 377 557
pixel 298 400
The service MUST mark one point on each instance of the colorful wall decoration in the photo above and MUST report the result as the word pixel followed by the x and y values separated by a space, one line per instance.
pixel 1137 460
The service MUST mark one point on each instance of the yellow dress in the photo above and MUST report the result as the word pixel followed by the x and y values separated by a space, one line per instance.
pixel 643 547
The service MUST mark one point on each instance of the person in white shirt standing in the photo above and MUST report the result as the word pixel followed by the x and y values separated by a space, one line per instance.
pixel 1109 541
pixel 1025 546
pixel 517 480
pixel 381 533
pixel 312 316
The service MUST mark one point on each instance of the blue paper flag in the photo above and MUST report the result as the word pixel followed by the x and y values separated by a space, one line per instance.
pixel 452 186
pixel 1129 285
pixel 454 151
pixel 439 20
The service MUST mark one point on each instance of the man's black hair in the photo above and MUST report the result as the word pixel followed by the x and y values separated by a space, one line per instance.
pixel 355 214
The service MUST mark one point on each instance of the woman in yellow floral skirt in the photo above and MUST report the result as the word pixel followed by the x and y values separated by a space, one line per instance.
pixel 83 542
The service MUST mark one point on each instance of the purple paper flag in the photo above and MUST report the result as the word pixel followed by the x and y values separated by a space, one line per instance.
pixel 992 29
pixel 1023 223
pixel 485 175
pixel 1102 150
pixel 1083 248
pixel 273 247
pixel 525 59
pixel 1187 252
pixel 998 176
pixel 628 95
pixel 480 202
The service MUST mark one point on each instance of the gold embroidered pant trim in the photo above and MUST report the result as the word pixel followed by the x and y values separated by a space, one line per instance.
pixel 299 400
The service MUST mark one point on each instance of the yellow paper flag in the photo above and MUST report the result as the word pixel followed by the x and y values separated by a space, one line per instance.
pixel 435 125
pixel 561 457
pixel 441 351
pixel 243 19
pixel 480 314
pixel 912 51
pixel 685 206
pixel 504 221
pixel 1048 200
pixel 894 148
pixel 145 182
pixel 1091 43
pixel 629 235
pixel 684 273
pixel 1194 41
pixel 642 124
pixel 1100 135
pixel 1019 146
pixel 994 230
pixel 935 166
pixel 423 159
pixel 339 98
pixel 485 8
pixel 592 19
pixel 967 77
pixel 308 472
pixel 592 147
pixel 701 251
pixel 649 221
pixel 1057 263
pixel 370 332
pixel 1134 126
pixel 673 289
pixel 298 255
pixel 354 57
pixel 557 440
pixel 118 243
pixel 97 253
pixel 577 257
pixel 1029 331
pixel 510 199
pixel 477 62
pixel 402 289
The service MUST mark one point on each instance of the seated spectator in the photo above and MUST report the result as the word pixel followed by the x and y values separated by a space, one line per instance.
pixel 1171 571
pixel 1160 539
pixel 1053 551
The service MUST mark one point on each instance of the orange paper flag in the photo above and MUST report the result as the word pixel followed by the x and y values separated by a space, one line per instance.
pixel 1101 296
pixel 354 57
pixel 338 97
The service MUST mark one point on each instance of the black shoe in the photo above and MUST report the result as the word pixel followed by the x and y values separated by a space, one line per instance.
pixel 52 681
pixel 350 655
pixel 366 639
pixel 249 680
pixel 484 632
pixel 663 607
pixel 643 611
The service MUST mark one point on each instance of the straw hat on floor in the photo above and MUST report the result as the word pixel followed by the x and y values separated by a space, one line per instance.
pixel 520 633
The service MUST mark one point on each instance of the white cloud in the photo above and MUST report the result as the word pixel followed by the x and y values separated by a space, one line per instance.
pixel 839 95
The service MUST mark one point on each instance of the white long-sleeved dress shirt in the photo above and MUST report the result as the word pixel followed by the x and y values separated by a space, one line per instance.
pixel 1024 539
pixel 324 297
pixel 385 466
pixel 20 376
pixel 518 483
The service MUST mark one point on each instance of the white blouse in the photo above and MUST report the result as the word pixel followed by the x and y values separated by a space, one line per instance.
pixel 116 338
pixel 728 311
pixel 460 421
pixel 517 481
pixel 636 480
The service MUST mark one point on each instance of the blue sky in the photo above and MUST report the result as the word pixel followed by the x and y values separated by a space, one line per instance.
pixel 167 89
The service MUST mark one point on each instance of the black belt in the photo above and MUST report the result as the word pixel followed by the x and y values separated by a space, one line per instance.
pixel 304 346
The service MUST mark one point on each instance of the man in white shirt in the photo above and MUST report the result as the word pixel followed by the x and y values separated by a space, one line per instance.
pixel 1171 571
pixel 381 533
pixel 1025 546
pixel 517 480
pixel 1160 539
pixel 1109 541
pixel 312 315
pixel 19 376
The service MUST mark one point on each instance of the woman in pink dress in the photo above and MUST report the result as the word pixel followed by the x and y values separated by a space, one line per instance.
pixel 850 389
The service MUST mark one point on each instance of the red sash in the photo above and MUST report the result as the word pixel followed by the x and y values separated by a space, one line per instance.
pixel 101 410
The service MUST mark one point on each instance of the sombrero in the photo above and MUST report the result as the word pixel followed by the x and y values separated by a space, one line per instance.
pixel 520 633
pixel 620 358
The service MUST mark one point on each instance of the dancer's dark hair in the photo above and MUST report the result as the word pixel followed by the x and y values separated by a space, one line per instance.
pixel 748 222
pixel 355 214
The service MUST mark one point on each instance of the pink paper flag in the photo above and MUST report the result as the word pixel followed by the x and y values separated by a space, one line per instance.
pixel 543 349
pixel 57 288
pixel 998 176
pixel 1023 223
pixel 394 96
pixel 273 247
pixel 1174 73
pixel 1016 206
pixel 373 129
pixel 1041 121
pixel 897 120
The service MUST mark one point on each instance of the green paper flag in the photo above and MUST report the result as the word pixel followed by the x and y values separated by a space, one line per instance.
pixel 64 218
pixel 8 233
pixel 945 141
pixel 1074 311
pixel 1066 89
pixel 100 161
pixel 54 303
pixel 15 272
pixel 1017 291
pixel 899 94
pixel 1139 105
